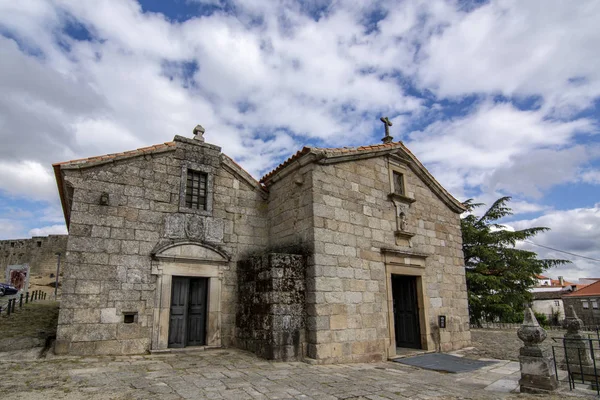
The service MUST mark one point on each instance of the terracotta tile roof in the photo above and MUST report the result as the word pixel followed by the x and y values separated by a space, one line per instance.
pixel 361 150
pixel 299 153
pixel 592 289
pixel 541 277
pixel 556 282
pixel 331 151
pixel 125 154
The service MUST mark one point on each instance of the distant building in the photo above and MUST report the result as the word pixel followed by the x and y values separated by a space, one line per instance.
pixel 585 302
pixel 39 252
pixel 550 304
pixel 546 284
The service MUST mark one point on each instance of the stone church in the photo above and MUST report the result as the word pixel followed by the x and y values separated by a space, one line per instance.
pixel 337 255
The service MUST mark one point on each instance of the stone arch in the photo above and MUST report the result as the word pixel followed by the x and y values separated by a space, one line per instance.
pixel 187 258
pixel 190 250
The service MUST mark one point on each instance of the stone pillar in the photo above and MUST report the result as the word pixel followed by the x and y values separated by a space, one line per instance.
pixel 577 349
pixel 537 369
pixel 271 309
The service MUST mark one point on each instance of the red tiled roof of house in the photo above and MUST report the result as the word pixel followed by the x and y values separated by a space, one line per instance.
pixel 592 289
pixel 541 277
pixel 556 282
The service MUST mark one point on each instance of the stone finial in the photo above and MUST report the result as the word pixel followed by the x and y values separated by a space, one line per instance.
pixel 531 333
pixel 572 323
pixel 386 123
pixel 537 368
pixel 199 133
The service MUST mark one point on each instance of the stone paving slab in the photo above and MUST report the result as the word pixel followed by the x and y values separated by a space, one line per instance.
pixel 233 374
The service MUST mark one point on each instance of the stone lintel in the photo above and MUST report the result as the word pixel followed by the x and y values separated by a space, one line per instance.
pixel 394 256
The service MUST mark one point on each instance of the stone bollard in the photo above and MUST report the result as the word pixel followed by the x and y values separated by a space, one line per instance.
pixel 577 349
pixel 537 369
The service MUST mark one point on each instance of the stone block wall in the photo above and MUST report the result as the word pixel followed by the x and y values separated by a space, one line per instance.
pixel 290 212
pixel 346 285
pixel 590 316
pixel 271 306
pixel 39 252
pixel 108 265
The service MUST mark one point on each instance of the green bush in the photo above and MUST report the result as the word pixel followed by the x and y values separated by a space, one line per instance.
pixel 542 319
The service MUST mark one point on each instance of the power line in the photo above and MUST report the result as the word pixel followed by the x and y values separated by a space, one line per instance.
pixel 562 251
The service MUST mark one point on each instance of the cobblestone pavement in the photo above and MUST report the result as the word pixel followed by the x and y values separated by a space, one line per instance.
pixel 233 374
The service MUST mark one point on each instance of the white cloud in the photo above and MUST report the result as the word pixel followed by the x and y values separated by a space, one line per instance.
pixel 49 230
pixel 10 229
pixel 591 176
pixel 576 231
pixel 28 179
pixel 519 49
pixel 500 147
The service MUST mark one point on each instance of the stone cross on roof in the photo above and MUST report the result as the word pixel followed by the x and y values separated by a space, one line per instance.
pixel 199 133
pixel 387 123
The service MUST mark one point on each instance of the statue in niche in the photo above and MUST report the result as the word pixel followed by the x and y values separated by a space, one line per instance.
pixel 402 222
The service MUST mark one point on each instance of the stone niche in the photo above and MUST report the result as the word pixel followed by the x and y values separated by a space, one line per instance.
pixel 271 306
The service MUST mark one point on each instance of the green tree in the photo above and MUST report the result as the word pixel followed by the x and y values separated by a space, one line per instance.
pixel 498 274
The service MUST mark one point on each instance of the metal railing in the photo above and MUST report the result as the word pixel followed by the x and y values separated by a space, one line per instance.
pixel 580 358
pixel 9 307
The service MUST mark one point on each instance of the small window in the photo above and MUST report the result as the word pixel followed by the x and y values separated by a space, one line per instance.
pixel 595 304
pixel 129 317
pixel 39 244
pixel 398 183
pixel 195 192
pixel 12 244
pixel 556 303
pixel 585 305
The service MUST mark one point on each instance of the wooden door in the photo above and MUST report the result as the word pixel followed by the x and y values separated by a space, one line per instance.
pixel 406 311
pixel 180 289
pixel 187 322
pixel 196 321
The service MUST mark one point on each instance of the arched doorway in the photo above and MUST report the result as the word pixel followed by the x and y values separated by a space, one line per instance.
pixel 188 295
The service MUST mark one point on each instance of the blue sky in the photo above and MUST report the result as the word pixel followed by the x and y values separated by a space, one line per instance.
pixel 495 97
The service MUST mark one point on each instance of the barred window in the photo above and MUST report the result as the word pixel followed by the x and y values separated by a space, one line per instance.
pixel 195 192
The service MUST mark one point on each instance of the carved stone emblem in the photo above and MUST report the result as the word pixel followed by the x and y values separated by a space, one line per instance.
pixel 194 227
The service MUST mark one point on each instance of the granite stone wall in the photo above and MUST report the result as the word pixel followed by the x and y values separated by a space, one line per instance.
pixel 590 315
pixel 108 265
pixel 354 220
pixel 39 252
pixel 271 306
